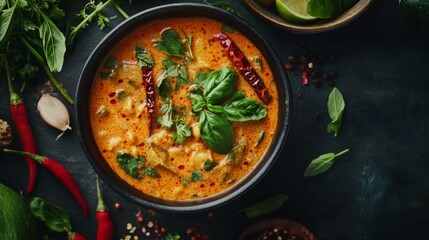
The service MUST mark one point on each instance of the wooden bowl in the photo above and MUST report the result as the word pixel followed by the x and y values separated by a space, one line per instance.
pixel 280 224
pixel 323 25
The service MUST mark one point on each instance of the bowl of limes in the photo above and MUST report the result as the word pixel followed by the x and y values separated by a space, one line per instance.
pixel 308 16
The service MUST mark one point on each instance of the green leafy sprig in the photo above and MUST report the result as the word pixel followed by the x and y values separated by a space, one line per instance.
pixel 336 107
pixel 322 163
pixel 265 207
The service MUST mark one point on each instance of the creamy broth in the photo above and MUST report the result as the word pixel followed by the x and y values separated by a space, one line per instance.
pixel 120 119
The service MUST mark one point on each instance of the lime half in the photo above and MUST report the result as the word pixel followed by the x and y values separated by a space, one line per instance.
pixel 294 10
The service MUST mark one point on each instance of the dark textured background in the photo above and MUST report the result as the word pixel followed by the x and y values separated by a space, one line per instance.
pixel 379 190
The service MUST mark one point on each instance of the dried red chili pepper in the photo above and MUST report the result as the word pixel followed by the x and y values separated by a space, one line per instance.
pixel 20 119
pixel 75 236
pixel 61 173
pixel 148 83
pixel 242 65
pixel 105 224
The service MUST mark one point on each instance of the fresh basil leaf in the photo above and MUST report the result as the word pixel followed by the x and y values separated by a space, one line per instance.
pixel 54 44
pixel 209 164
pixel 130 164
pixel 167 114
pixel 144 57
pixel 53 216
pixel 322 163
pixel 336 107
pixel 171 43
pixel 266 206
pixel 225 6
pixel 196 176
pixel 198 102
pixel 7 21
pixel 216 132
pixel 182 131
pixel 215 108
pixel 221 84
pixel 201 78
pixel 244 109
pixel 328 8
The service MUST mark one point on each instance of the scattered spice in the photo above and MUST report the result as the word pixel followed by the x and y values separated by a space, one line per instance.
pixel 118 206
pixel 308 65
pixel 5 134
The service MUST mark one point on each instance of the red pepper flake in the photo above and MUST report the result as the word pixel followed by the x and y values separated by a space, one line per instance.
pixel 140 219
pixel 120 81
pixel 288 66
pixel 304 78
pixel 181 167
pixel 112 94
pixel 113 101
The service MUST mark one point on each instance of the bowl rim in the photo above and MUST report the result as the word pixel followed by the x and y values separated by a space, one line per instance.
pixel 318 26
pixel 130 25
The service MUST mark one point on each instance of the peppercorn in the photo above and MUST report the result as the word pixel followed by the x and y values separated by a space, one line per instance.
pixel 118 206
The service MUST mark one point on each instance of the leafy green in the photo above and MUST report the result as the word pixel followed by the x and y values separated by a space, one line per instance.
pixel 144 57
pixel 54 44
pixel 175 70
pixel 216 131
pixel 7 22
pixel 150 172
pixel 322 163
pixel 109 69
pixel 328 8
pixel 172 237
pixel 220 84
pixel 166 120
pixel 171 43
pixel 336 107
pixel 225 6
pixel 209 164
pixel 130 164
pixel 244 109
pixel 266 206
pixel 53 216
pixel 198 101
pixel 182 131
pixel 196 176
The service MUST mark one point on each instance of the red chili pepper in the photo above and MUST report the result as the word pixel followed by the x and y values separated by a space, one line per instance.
pixel 20 119
pixel 148 82
pixel 75 236
pixel 62 175
pixel 242 65
pixel 105 224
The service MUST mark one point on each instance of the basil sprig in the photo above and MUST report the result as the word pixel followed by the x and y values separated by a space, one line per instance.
pixel 53 216
pixel 322 163
pixel 135 166
pixel 215 88
pixel 336 107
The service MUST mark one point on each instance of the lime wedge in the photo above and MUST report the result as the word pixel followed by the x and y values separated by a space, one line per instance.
pixel 294 10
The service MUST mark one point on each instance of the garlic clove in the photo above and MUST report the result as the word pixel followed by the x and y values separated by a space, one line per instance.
pixel 54 112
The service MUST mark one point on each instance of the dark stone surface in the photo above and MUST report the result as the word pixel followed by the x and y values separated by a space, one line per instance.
pixel 379 190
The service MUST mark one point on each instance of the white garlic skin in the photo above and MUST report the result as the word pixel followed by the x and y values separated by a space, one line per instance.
pixel 54 112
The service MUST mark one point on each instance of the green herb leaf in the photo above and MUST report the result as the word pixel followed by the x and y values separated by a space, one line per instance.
pixel 267 206
pixel 109 68
pixel 167 114
pixel 336 107
pixel 7 21
pixel 244 109
pixel 328 8
pixel 216 132
pixel 171 43
pixel 173 237
pixel 53 216
pixel 130 164
pixel 196 176
pixel 322 163
pixel 175 70
pixel 225 6
pixel 198 101
pixel 144 57
pixel 209 164
pixel 201 78
pixel 182 131
pixel 227 29
pixel 220 85
pixel 54 44
pixel 150 172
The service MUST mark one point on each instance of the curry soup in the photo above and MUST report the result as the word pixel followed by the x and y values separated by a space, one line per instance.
pixel 174 116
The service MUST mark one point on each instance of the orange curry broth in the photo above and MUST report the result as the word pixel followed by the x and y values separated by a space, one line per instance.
pixel 125 127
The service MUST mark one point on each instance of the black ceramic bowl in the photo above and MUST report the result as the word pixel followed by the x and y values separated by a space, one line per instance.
pixel 127 27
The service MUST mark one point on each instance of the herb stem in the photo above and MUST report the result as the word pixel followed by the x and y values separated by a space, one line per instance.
pixel 87 19
pixel 46 69
pixel 342 152
pixel 120 10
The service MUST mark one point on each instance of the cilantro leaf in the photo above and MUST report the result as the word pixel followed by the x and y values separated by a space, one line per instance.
pixel 196 176
pixel 182 131
pixel 144 57
pixel 171 44
pixel 167 114
pixel 130 164
pixel 209 164
pixel 175 70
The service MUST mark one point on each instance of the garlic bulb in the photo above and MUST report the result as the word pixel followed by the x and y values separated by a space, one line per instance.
pixel 54 112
